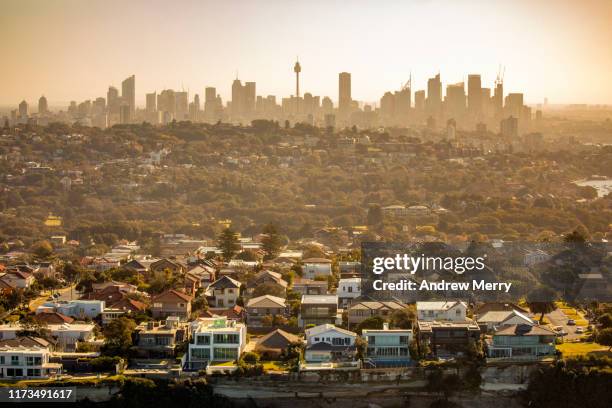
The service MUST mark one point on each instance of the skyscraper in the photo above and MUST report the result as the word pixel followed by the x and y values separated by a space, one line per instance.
pixel 182 105
pixel 237 98
pixel 23 109
pixel 344 93
pixel 42 105
pixel 434 95
pixel 455 101
pixel 249 98
pixel 474 96
pixel 128 94
pixel 419 101
pixel 112 100
pixel 498 99
pixel 151 102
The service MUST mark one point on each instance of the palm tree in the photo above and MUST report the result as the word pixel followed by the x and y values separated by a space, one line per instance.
pixel 541 300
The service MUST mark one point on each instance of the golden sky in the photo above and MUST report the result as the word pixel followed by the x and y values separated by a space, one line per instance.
pixel 74 49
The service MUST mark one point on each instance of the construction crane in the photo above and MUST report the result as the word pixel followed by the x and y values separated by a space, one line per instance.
pixel 407 84
pixel 501 71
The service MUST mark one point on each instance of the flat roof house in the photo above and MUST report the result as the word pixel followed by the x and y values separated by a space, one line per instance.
pixel 388 347
pixel 215 339
pixel 318 309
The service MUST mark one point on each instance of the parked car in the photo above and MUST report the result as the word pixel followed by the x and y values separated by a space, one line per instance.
pixel 571 322
pixel 579 330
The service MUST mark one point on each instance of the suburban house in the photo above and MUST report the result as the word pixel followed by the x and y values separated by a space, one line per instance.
pixel 348 289
pixel 498 307
pixel 236 312
pixel 388 346
pixel 309 286
pixel 30 359
pixel 318 309
pixel 362 310
pixel 447 339
pixel 17 279
pixel 79 309
pixel 224 292
pixel 204 273
pixel 266 305
pixel 126 306
pixel 268 278
pixel 215 339
pixel 171 303
pixel 349 269
pixel 52 317
pixel 313 267
pixel 522 341
pixel 191 283
pixel 274 344
pixel 327 342
pixel 454 311
pixel 167 264
pixel 67 335
pixel 159 339
pixel 495 320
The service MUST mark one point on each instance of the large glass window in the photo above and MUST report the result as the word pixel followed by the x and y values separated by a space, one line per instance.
pixel 226 338
pixel 203 339
pixel 200 353
pixel 226 353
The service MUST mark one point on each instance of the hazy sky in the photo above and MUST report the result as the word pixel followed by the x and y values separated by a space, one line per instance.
pixel 73 49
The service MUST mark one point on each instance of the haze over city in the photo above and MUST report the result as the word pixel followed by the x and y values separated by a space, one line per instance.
pixel 71 50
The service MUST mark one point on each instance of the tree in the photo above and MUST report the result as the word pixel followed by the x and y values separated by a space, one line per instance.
pixel 605 320
pixel 271 242
pixel 403 318
pixel 32 327
pixel 228 243
pixel 118 336
pixel 374 322
pixel 42 249
pixel 375 215
pixel 541 300
pixel 604 337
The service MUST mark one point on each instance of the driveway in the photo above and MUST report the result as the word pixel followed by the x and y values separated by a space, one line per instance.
pixel 558 318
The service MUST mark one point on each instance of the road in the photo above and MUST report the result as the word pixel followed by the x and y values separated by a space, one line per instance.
pixel 558 318
pixel 65 294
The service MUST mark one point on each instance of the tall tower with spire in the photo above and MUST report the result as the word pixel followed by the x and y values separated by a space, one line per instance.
pixel 297 68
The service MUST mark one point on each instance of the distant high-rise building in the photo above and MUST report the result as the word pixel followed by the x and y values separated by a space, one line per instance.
pixel 237 98
pixel 166 103
pixel 344 93
pixel 474 98
pixel 182 105
pixel 455 101
pixel 211 108
pixel 151 102
pixel 128 93
pixel 43 107
pixel 125 114
pixel 514 105
pixel 387 107
pixel 23 109
pixel 112 100
pixel 249 98
pixel 434 95
pixel 509 127
pixel 498 99
pixel 403 101
pixel 327 106
pixel 419 101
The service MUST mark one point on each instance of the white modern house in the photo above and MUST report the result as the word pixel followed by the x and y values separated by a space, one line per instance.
pixel 215 339
pixel 453 311
pixel 388 346
pixel 75 308
pixel 67 335
pixel 19 362
pixel 313 267
pixel 327 343
pixel 348 289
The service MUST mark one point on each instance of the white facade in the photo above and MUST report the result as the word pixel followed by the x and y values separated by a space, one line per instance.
pixel 215 339
pixel 67 334
pixel 348 288
pixel 454 311
pixel 75 308
pixel 388 345
pixel 310 270
pixel 327 342
pixel 26 362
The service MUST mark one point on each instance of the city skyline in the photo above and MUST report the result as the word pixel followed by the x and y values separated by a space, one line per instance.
pixel 542 46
